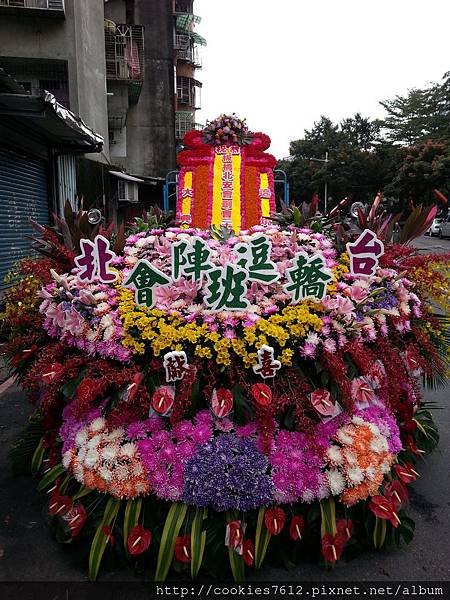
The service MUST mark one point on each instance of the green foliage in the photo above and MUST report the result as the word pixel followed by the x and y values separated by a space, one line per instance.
pixel 379 533
pixel 172 526
pixel 50 477
pixel 198 540
pixel 154 218
pixel 24 452
pixel 101 537
pixel 262 538
pixel 132 512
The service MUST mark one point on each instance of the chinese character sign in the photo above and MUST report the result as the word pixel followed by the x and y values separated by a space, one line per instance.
pixel 144 278
pixel 94 261
pixel 307 278
pixel 176 366
pixel 191 259
pixel 267 365
pixel 256 259
pixel 364 254
pixel 226 288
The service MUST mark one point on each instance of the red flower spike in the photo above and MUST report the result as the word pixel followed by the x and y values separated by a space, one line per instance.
pixel 406 473
pixel 163 399
pixel 332 547
pixel 397 492
pixel 183 549
pixel 345 528
pixel 262 394
pixel 222 402
pixel 139 540
pixel 76 518
pixel 132 389
pixel 274 520
pixel 59 505
pixel 106 529
pixel 384 508
pixel 236 534
pixel 53 371
pixel 248 552
pixel 296 527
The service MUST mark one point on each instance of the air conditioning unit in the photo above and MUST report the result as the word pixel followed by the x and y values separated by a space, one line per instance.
pixel 128 191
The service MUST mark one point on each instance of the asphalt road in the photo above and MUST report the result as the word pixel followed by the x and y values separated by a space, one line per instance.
pixel 29 553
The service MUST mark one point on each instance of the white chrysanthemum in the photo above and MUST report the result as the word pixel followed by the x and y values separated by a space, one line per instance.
pixel 355 475
pixel 312 338
pixel 379 445
pixel 373 428
pixel 97 424
pixel 307 496
pixel 343 437
pixel 137 469
pixel 114 435
pixel 336 482
pixel 106 321
pixel 385 467
pixel 140 488
pixel 67 459
pixel 350 457
pixel 121 472
pixel 109 452
pixel 334 454
pixel 81 437
pixel 105 473
pixel 82 453
pixel 371 473
pixel 94 442
pixel 91 458
pixel 128 450
pixel 108 333
pixel 358 421
pixel 78 472
pixel 101 296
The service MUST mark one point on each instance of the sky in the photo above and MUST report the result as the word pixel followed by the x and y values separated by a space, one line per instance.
pixel 284 63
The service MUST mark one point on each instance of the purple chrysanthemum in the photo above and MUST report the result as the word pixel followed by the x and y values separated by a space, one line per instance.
pixel 228 473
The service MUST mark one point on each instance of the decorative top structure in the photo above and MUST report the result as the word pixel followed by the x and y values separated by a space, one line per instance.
pixel 225 177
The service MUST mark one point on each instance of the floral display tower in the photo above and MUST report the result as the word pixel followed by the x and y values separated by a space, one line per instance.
pixel 226 177
pixel 228 389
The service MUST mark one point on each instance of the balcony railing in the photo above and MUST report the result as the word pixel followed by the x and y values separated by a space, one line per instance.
pixel 184 122
pixel 50 8
pixel 190 55
pixel 124 52
pixel 189 92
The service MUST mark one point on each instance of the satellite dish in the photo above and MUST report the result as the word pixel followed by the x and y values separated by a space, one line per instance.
pixel 95 216
pixel 355 207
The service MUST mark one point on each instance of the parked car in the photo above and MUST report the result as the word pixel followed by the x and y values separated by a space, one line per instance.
pixel 444 228
pixel 434 229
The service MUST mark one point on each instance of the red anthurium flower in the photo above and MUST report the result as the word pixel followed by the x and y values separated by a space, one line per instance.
pixel 222 402
pixel 411 361
pixel 384 508
pixel 344 528
pixel 262 394
pixel 183 549
pixel 296 527
pixel 397 492
pixel 406 473
pixel 274 520
pixel 376 374
pixel 235 534
pixel 139 540
pixel 24 355
pixel 132 389
pixel 53 371
pixel 323 402
pixel 163 399
pixel 58 504
pixel 248 552
pixel 76 518
pixel 362 391
pixel 109 535
pixel 332 546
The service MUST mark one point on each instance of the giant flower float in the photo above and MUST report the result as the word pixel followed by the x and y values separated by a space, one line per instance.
pixel 212 396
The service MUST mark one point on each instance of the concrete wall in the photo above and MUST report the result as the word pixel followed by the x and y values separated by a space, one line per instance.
pixel 151 122
pixel 79 40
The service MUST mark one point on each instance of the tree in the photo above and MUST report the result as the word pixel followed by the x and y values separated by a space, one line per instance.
pixel 423 113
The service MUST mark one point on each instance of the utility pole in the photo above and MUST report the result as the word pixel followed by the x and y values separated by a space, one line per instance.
pixel 325 160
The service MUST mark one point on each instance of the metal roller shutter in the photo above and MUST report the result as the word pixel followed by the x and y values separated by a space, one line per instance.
pixel 23 194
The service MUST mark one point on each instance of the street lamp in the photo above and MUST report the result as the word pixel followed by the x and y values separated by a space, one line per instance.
pixel 325 161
